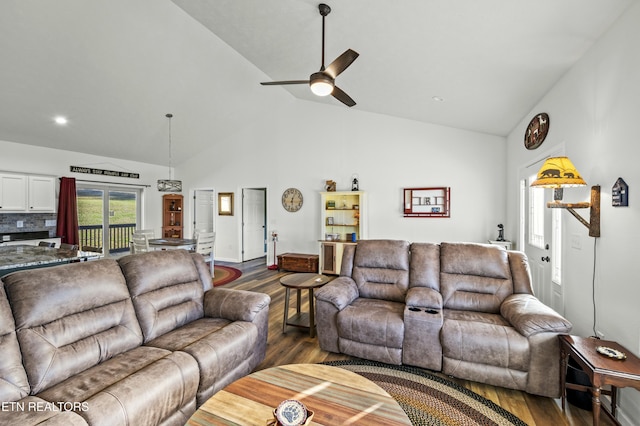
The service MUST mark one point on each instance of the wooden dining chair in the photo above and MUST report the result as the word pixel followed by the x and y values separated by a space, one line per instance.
pixel 204 245
pixel 139 243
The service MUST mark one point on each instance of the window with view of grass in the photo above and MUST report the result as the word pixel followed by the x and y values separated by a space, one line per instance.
pixel 107 216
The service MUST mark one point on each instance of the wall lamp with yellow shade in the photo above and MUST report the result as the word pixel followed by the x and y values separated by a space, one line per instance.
pixel 559 173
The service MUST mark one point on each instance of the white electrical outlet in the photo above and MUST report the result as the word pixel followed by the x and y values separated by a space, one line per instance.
pixel 50 222
pixel 20 224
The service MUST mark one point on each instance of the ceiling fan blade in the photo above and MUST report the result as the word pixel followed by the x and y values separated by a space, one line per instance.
pixel 341 63
pixel 342 97
pixel 278 83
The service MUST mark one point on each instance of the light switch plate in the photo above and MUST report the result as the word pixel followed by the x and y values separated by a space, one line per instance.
pixel 576 242
pixel 20 224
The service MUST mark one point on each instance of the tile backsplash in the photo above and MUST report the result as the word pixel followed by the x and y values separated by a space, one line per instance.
pixel 30 222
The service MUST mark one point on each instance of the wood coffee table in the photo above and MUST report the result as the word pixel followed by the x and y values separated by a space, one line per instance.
pixel 335 395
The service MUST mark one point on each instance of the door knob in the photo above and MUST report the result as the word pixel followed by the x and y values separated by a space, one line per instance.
pixel 545 259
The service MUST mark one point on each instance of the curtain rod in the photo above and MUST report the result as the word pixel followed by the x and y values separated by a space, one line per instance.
pixel 112 183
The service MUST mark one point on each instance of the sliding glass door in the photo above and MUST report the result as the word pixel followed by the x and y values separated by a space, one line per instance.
pixel 107 216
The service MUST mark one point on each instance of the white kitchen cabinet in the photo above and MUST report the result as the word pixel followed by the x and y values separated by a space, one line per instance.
pixel 13 193
pixel 42 194
pixel 27 193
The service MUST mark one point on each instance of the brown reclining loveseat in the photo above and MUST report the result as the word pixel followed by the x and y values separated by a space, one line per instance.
pixel 464 309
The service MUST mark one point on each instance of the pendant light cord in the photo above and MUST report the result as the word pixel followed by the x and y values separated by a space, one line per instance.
pixel 169 116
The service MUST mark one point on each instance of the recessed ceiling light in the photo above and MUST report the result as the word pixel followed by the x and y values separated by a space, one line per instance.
pixel 437 98
pixel 61 120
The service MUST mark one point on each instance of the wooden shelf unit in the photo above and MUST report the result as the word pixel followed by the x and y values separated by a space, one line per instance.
pixel 427 202
pixel 343 214
pixel 172 215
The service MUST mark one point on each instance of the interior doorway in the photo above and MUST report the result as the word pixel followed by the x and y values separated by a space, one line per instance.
pixel 254 223
pixel 204 201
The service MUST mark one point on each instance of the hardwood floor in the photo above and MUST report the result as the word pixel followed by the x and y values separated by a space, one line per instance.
pixel 297 347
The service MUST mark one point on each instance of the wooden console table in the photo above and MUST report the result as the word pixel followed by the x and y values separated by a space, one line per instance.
pixel 602 371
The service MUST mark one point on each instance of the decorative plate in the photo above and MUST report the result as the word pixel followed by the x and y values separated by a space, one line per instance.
pixel 291 413
pixel 536 131
pixel 610 352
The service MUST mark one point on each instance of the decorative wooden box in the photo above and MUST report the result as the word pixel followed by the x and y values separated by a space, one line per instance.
pixel 297 262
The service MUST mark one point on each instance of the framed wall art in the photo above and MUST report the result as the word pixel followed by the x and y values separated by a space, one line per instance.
pixel 225 203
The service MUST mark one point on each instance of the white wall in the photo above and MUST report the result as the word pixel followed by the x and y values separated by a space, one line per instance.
pixel 594 112
pixel 29 159
pixel 302 144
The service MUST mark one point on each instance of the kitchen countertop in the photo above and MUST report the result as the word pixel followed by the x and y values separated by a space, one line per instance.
pixel 18 257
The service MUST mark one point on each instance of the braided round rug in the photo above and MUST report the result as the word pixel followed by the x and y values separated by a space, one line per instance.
pixel 429 399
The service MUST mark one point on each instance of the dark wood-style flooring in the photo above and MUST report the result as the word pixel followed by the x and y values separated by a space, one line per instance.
pixel 297 347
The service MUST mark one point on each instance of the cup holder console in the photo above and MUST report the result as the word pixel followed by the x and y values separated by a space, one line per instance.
pixel 427 310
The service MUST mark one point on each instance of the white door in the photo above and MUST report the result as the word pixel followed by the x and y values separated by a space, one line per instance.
pixel 254 238
pixel 203 208
pixel 540 235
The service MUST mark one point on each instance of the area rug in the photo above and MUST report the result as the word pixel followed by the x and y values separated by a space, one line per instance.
pixel 429 399
pixel 224 274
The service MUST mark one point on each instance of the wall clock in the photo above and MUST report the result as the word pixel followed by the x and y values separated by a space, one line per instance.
pixel 292 199
pixel 536 131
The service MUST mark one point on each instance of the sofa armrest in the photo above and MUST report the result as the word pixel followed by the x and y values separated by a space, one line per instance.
pixel 234 305
pixel 340 292
pixel 424 297
pixel 529 316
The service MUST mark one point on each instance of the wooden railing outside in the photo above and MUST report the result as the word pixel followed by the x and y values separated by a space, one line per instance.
pixel 119 236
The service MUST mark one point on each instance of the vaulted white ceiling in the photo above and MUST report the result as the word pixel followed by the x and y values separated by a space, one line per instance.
pixel 116 67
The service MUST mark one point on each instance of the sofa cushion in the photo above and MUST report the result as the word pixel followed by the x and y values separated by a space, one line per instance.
pixel 381 269
pixel 474 277
pixel 483 338
pixel 13 379
pixel 70 318
pixel 373 321
pixel 166 290
pixel 145 386
pixel 219 346
pixel 425 266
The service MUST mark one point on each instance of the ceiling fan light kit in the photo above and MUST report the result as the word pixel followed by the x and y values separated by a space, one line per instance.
pixel 322 83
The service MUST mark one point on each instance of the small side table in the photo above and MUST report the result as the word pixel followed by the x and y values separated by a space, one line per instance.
pixel 602 371
pixel 299 282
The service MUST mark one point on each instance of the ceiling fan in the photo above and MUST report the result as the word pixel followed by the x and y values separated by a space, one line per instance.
pixel 322 83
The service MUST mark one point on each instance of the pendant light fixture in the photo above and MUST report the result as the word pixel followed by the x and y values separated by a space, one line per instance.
pixel 169 185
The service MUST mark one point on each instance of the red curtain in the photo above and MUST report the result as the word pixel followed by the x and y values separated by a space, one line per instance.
pixel 67 225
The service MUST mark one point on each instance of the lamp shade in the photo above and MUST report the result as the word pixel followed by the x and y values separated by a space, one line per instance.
pixel 558 172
